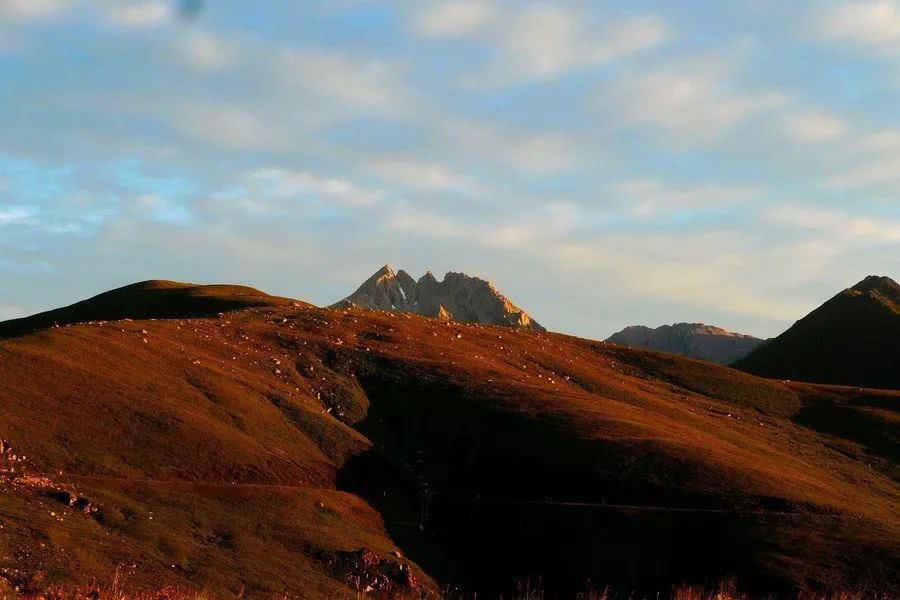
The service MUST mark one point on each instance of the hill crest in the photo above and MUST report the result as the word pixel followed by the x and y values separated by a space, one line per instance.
pixel 149 299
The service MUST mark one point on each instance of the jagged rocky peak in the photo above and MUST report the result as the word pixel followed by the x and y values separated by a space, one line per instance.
pixel 695 340
pixel 382 289
pixel 459 297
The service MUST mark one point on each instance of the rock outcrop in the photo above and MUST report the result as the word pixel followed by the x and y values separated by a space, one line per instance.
pixel 695 340
pixel 459 297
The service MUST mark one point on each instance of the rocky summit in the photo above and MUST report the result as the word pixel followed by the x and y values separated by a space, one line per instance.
pixel 459 297
pixel 695 340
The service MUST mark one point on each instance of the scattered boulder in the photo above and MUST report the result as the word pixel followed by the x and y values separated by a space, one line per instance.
pixel 13 474
pixel 368 573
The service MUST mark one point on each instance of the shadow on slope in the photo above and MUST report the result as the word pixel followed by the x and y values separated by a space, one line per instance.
pixel 483 489
pixel 867 417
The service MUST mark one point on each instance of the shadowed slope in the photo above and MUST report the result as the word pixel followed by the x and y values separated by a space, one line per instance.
pixel 853 339
pixel 147 300
pixel 249 450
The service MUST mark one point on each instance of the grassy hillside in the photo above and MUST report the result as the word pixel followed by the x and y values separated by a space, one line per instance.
pixel 258 448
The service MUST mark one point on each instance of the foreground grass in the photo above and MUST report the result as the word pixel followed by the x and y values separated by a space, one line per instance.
pixel 119 590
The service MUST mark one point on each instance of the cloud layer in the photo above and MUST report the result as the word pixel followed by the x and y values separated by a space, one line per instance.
pixel 604 164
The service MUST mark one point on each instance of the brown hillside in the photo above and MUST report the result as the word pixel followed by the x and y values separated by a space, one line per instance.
pixel 853 339
pixel 248 451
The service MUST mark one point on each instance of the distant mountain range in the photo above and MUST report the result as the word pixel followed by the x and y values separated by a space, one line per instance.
pixel 694 340
pixel 853 339
pixel 459 297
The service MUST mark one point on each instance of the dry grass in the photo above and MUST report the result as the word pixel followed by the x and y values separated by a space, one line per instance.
pixel 655 447
pixel 118 589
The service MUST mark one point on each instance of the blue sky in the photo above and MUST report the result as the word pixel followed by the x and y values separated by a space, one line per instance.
pixel 603 163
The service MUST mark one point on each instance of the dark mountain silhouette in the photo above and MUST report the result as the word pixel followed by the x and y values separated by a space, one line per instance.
pixel 278 448
pixel 694 340
pixel 148 300
pixel 853 339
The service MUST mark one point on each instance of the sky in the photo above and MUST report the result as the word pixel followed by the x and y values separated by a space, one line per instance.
pixel 604 163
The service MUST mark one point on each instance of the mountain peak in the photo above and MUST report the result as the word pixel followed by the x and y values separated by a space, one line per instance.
pixel 879 284
pixel 459 297
pixel 385 271
pixel 852 339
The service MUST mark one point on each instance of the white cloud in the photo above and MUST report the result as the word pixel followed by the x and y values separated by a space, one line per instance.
pixel 426 223
pixel 868 160
pixel 542 41
pixel 518 231
pixel 885 140
pixel 649 197
pixel 155 207
pixel 545 152
pixel 813 127
pixel 227 126
pixel 32 9
pixel 143 14
pixel 15 215
pixel 877 170
pixel 694 99
pixel 693 272
pixel 837 224
pixel 868 23
pixel 551 221
pixel 206 51
pixel 422 175
pixel 286 184
pixel 452 18
pixel 364 84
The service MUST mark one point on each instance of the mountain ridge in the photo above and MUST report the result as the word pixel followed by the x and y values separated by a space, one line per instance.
pixel 458 297
pixel 694 340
